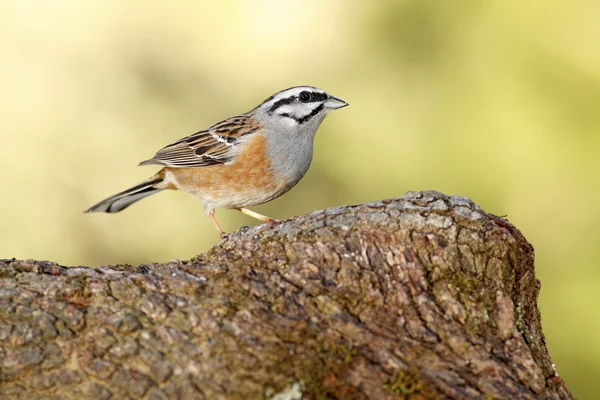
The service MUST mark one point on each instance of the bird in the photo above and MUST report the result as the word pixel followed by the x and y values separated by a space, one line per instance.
pixel 242 161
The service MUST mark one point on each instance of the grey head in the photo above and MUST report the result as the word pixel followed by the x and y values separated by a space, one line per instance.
pixel 299 109
pixel 291 118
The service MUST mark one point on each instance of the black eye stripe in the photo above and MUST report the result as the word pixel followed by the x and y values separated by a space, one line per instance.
pixel 318 96
pixel 315 98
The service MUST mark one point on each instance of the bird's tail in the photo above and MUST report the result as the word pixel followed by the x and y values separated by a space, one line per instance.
pixel 121 201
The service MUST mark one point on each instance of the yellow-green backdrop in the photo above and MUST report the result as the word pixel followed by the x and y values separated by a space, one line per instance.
pixel 495 100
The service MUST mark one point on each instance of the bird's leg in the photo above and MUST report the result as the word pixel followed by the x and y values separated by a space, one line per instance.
pixel 256 215
pixel 222 233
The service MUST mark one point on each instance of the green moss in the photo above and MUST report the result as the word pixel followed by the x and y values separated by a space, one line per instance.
pixel 313 379
pixel 351 352
pixel 519 317
pixel 468 292
pixel 8 273
pixel 321 374
pixel 409 385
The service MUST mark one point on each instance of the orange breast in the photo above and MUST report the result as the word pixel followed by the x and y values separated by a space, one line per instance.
pixel 248 180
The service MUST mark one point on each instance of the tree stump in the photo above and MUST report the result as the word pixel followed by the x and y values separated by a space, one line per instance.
pixel 425 296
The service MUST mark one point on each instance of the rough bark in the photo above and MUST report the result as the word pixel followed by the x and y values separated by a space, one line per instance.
pixel 421 297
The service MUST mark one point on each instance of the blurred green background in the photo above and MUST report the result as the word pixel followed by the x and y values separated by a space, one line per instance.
pixel 497 101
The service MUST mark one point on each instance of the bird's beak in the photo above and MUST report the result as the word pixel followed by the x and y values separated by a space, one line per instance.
pixel 335 103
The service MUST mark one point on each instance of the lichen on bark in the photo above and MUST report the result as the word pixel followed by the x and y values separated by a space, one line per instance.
pixel 422 296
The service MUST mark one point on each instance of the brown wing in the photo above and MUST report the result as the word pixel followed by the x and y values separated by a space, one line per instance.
pixel 208 147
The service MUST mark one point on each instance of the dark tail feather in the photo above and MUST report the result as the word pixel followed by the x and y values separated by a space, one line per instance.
pixel 121 201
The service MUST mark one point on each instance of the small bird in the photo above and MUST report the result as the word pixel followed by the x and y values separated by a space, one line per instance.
pixel 242 161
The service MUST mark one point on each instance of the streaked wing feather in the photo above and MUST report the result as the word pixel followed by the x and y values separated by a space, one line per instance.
pixel 208 147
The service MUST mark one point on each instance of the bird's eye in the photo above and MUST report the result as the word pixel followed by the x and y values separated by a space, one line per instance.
pixel 304 97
